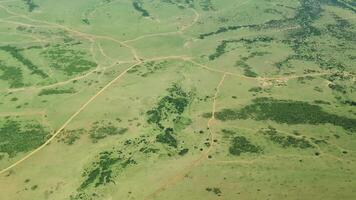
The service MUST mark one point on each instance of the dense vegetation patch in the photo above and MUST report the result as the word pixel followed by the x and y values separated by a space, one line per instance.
pixel 214 190
pixel 168 113
pixel 101 130
pixel 342 4
pixel 148 68
pixel 221 48
pixel 56 91
pixel 71 136
pixel 286 141
pixel 225 29
pixel 256 89
pixel 102 171
pixel 31 5
pixel 13 75
pixel 86 21
pixel 247 69
pixel 62 57
pixel 16 136
pixel 182 4
pixel 16 53
pixel 286 111
pixel 167 138
pixel 241 144
pixel 322 52
pixel 109 165
pixel 183 152
pixel 139 7
pixel 206 5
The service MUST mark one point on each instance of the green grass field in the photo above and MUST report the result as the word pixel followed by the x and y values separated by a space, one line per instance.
pixel 177 99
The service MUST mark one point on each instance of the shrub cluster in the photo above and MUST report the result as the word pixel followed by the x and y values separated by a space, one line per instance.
pixel 286 111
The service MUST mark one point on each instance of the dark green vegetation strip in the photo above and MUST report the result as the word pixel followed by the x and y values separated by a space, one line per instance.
pixel 169 112
pixel 241 144
pixel 86 21
pixel 183 152
pixel 247 69
pixel 101 172
pixel 221 48
pixel 226 29
pixel 167 138
pixel 182 4
pixel 206 5
pixel 286 111
pixel 148 68
pixel 342 4
pixel 56 91
pixel 307 13
pixel 110 164
pixel 16 137
pixel 138 6
pixel 101 130
pixel 71 136
pixel 302 40
pixel 303 43
pixel 71 61
pixel 13 75
pixel 215 190
pixel 286 141
pixel 15 52
pixel 30 5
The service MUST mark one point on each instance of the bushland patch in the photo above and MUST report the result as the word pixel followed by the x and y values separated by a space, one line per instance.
pixel 71 136
pixel 139 8
pixel 183 152
pixel 56 91
pixel 286 111
pixel 102 129
pixel 148 68
pixel 206 5
pixel 182 4
pixel 167 138
pixel 240 144
pixel 303 42
pixel 168 113
pixel 286 141
pixel 256 89
pixel 102 171
pixel 247 69
pixel 222 47
pixel 20 136
pixel 86 21
pixel 16 53
pixel 13 75
pixel 214 190
pixel 31 5
pixel 63 57
pixel 225 29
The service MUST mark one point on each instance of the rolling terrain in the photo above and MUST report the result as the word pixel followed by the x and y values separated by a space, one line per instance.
pixel 177 99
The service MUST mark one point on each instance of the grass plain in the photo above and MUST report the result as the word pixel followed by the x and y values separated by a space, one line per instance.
pixel 177 99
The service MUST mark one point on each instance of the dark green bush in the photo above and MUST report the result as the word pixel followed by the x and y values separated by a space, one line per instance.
pixel 286 111
pixel 16 137
pixel 16 53
pixel 240 144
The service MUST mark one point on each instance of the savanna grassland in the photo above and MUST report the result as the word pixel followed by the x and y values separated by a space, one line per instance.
pixel 177 99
